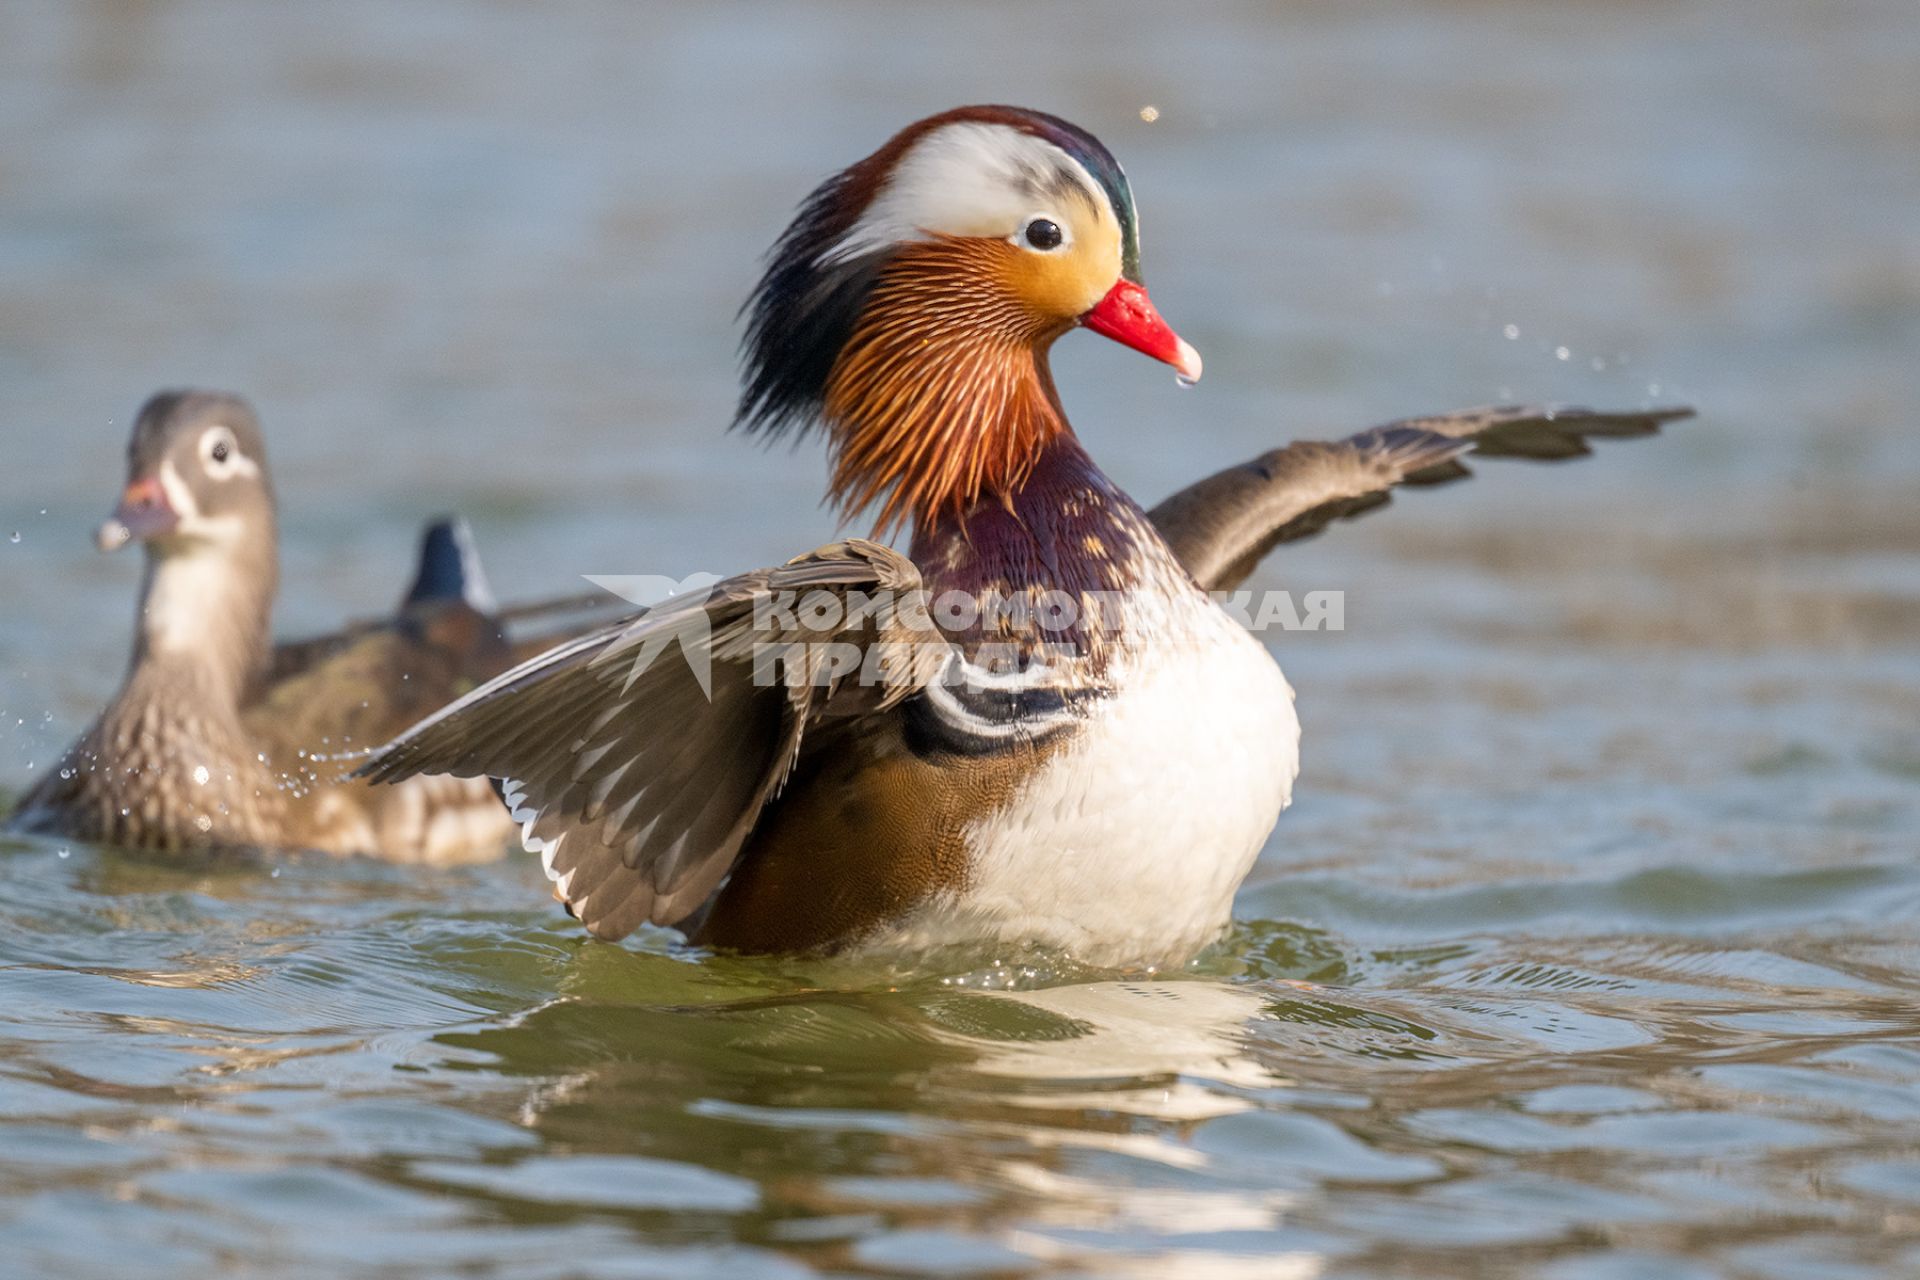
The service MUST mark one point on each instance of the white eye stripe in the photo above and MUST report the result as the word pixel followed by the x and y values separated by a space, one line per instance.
pixel 179 496
pixel 220 454
pixel 192 524
pixel 965 179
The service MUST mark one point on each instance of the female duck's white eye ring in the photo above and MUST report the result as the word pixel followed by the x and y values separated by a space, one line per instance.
pixel 220 452
pixel 1042 234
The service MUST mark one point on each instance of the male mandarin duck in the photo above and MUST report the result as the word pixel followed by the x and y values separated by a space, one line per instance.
pixel 220 739
pixel 1095 772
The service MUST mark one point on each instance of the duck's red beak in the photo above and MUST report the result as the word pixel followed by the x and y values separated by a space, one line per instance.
pixel 144 512
pixel 1128 316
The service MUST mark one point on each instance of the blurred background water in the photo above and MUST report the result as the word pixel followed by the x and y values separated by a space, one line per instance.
pixel 1590 949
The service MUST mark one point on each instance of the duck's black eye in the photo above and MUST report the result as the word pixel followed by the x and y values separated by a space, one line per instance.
pixel 220 450
pixel 1044 233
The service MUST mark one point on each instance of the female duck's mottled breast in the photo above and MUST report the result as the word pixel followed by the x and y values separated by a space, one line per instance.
pixel 158 770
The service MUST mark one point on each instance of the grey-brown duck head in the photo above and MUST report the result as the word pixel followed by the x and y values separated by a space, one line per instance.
pixel 199 499
pixel 196 472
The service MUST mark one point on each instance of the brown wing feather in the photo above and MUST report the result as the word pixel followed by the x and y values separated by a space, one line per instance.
pixel 638 785
pixel 1222 526
pixel 358 689
pixel 556 620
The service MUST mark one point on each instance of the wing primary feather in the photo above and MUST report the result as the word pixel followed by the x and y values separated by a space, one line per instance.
pixel 637 786
pixel 1222 526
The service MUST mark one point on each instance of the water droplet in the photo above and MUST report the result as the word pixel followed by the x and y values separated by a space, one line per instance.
pixel 65 853
pixel 1561 353
pixel 14 536
pixel 1511 332
pixel 1149 113
pixel 276 873
pixel 1182 381
pixel 200 776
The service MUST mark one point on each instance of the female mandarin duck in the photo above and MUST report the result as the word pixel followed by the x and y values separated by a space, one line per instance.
pixel 216 738
pixel 1094 772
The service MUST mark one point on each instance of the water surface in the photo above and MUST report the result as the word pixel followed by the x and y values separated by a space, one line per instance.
pixel 1590 949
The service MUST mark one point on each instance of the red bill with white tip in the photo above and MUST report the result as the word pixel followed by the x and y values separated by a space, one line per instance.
pixel 1128 316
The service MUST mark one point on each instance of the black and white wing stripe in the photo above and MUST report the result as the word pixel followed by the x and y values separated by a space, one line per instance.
pixel 970 710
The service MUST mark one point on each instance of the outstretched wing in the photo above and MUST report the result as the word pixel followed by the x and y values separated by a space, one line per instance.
pixel 638 781
pixel 1221 527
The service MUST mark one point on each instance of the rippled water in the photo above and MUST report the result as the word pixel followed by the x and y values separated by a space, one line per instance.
pixel 1591 946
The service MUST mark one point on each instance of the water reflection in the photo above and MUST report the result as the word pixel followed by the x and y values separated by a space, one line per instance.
pixel 478 1082
pixel 1091 1124
pixel 961 1112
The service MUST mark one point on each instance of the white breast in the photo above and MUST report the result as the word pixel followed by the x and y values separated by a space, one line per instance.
pixel 1127 846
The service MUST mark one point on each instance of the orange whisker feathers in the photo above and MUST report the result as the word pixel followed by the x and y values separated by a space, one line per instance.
pixel 941 395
